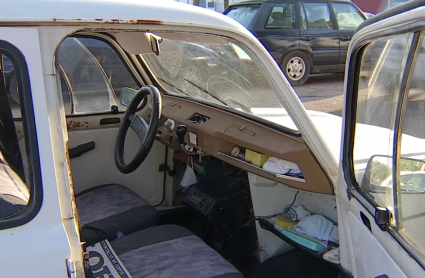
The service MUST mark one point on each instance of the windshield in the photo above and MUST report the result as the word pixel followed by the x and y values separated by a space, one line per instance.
pixel 217 70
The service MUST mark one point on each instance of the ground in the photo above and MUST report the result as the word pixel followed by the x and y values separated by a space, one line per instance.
pixel 323 92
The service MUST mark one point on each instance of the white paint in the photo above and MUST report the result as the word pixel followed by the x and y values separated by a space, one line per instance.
pixel 270 197
pixel 380 253
pixel 97 167
pixel 370 257
pixel 22 255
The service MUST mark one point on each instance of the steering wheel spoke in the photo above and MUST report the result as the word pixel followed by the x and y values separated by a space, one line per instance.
pixel 145 131
pixel 139 126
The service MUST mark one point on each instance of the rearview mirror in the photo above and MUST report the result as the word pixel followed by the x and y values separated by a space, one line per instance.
pixel 127 95
pixel 378 176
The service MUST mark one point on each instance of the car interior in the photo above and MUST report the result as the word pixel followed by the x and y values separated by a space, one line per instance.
pixel 185 192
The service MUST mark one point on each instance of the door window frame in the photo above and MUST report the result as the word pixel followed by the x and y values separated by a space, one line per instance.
pixel 30 137
pixel 295 16
pixel 335 18
pixel 125 60
pixel 354 189
pixel 331 15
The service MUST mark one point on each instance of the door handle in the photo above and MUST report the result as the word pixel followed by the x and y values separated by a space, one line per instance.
pixel 110 121
pixel 365 221
pixel 81 149
pixel 345 39
pixel 306 38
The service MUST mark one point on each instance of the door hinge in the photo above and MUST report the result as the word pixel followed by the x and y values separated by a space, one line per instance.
pixel 382 218
pixel 70 266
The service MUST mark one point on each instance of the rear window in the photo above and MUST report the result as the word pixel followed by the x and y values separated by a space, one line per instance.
pixel 243 14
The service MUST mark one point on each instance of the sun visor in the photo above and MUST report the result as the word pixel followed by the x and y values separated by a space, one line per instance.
pixel 134 42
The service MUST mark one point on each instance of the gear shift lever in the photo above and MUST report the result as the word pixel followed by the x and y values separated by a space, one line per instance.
pixel 181 131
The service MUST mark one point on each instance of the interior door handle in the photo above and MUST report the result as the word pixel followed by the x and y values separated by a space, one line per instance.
pixel 306 38
pixel 81 149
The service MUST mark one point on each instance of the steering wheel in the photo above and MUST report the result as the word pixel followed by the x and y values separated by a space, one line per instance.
pixel 146 132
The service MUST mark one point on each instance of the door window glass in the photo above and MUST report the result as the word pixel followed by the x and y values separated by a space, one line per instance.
pixel 92 75
pixel 18 179
pixel 347 16
pixel 411 183
pixel 282 16
pixel 318 15
pixel 304 24
pixel 381 69
pixel 243 14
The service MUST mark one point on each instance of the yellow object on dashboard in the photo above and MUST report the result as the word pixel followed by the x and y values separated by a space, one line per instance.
pixel 257 159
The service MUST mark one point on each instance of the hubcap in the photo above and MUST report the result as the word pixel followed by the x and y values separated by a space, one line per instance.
pixel 295 69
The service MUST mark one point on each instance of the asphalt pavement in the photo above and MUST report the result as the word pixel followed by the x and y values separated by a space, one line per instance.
pixel 323 92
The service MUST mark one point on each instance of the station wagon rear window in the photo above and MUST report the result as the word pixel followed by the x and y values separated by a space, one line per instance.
pixel 243 14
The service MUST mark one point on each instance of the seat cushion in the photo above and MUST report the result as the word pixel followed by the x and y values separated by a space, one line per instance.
pixel 109 210
pixel 171 251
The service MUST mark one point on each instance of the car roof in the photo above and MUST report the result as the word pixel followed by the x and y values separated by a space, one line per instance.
pixel 144 12
pixel 251 2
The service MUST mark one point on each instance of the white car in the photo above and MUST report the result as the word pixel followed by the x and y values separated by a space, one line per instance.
pixel 215 151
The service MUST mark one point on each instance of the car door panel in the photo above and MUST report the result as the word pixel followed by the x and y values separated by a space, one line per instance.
pixel 344 41
pixel 97 166
pixel 278 33
pixel 318 33
pixel 369 264
pixel 347 17
pixel 25 242
pixel 390 249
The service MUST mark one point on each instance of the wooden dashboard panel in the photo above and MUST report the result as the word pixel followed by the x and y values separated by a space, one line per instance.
pixel 223 131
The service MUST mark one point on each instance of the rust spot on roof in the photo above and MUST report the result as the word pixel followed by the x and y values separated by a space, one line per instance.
pixel 71 19
pixel 144 21
pixel 113 21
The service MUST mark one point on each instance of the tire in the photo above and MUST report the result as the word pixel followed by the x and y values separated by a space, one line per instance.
pixel 296 66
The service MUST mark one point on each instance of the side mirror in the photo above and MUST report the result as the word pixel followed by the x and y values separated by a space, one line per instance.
pixel 127 95
pixel 378 176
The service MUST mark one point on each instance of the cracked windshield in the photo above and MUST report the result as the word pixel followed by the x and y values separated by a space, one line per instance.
pixel 217 70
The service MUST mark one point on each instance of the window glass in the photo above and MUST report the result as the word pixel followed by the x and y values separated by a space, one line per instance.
pixel 318 15
pixel 381 70
pixel 15 168
pixel 303 18
pixel 216 69
pixel 282 16
pixel 347 16
pixel 412 163
pixel 243 14
pixel 92 75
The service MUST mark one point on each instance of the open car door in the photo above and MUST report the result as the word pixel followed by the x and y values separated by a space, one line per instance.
pixel 381 186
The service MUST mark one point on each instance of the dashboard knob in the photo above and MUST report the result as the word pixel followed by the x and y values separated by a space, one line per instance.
pixel 181 131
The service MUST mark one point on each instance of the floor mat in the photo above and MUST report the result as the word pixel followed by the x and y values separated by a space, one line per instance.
pixel 294 264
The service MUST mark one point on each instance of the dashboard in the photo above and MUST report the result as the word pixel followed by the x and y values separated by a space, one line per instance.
pixel 216 132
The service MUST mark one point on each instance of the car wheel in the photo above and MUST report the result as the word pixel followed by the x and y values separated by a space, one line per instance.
pixel 296 67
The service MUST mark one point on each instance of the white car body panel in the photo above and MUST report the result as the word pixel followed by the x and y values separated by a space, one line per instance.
pixel 388 250
pixel 23 254
pixel 54 227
